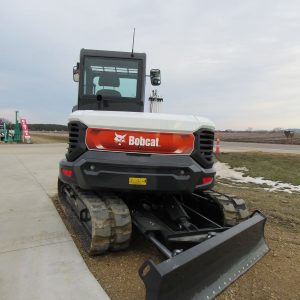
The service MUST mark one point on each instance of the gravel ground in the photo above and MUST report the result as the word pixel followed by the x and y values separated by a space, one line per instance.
pixel 276 276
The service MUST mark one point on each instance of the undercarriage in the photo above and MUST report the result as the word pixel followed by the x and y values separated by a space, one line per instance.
pixel 208 238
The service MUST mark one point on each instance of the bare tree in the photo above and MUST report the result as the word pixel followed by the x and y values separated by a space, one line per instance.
pixel 292 133
pixel 289 134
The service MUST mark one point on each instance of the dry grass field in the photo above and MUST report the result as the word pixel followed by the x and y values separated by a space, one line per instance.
pixel 258 137
pixel 38 137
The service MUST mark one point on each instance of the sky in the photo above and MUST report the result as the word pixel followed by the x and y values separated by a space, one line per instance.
pixel 234 62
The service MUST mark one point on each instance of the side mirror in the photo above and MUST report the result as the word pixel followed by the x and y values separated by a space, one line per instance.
pixel 155 76
pixel 76 73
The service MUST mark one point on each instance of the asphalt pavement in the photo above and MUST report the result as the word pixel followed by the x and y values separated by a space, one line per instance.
pixel 38 258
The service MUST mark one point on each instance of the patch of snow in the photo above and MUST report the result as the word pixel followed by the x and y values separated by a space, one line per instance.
pixel 224 171
pixel 241 169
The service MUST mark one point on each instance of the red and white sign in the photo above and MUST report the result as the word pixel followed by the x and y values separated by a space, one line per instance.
pixel 25 128
pixel 139 141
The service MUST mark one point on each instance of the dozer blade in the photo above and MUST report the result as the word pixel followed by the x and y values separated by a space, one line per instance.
pixel 205 270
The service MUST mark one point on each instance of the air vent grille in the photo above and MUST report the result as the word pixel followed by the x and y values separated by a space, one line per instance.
pixel 73 137
pixel 76 140
pixel 206 144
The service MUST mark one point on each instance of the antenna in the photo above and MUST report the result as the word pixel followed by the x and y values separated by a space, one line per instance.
pixel 133 42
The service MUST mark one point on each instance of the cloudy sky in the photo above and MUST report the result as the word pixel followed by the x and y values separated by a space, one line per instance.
pixel 235 62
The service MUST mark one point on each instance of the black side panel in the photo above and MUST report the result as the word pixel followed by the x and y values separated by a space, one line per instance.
pixel 77 144
pixel 204 146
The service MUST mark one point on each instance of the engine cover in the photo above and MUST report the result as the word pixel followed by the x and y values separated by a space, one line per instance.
pixel 152 122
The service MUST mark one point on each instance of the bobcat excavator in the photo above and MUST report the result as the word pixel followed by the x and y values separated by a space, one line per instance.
pixel 125 167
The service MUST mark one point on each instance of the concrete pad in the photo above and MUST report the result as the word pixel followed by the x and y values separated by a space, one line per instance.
pixel 14 178
pixel 20 230
pixel 11 201
pixel 40 161
pixel 17 183
pixel 48 272
pixel 43 170
pixel 28 222
pixel 38 258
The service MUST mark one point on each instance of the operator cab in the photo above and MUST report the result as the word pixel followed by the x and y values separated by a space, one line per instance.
pixel 110 80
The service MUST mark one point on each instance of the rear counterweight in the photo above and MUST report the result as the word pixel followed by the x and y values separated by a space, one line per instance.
pixel 114 171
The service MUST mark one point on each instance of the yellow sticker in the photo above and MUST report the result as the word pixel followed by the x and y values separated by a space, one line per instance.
pixel 137 180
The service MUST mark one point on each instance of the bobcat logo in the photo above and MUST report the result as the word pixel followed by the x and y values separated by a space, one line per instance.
pixel 119 139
